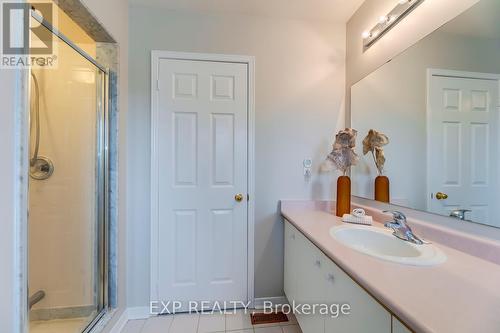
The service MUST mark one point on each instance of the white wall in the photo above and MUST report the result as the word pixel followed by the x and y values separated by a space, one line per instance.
pixel 393 100
pixel 9 214
pixel 299 102
pixel 429 16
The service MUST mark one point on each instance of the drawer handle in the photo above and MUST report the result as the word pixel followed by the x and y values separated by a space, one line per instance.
pixel 317 263
pixel 331 278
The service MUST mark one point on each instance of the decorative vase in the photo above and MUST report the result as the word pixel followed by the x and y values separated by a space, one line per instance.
pixel 343 196
pixel 382 189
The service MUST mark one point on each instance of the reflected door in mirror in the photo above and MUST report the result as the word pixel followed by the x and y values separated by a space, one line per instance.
pixel 462 144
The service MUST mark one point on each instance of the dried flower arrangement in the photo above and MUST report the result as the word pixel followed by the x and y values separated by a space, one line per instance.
pixel 373 142
pixel 342 156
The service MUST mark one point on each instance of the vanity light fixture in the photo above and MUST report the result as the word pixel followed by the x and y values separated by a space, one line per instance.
pixel 389 21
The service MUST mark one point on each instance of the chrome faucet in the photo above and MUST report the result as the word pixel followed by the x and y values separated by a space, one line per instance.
pixel 459 213
pixel 401 229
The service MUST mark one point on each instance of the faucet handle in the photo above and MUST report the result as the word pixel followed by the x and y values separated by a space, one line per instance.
pixel 462 210
pixel 401 229
pixel 398 216
pixel 459 213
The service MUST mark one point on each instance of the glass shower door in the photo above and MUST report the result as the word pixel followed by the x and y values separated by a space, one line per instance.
pixel 67 194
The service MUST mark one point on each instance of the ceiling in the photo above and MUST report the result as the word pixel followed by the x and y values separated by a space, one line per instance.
pixel 331 10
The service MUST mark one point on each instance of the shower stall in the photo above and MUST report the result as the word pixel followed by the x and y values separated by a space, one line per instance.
pixel 67 218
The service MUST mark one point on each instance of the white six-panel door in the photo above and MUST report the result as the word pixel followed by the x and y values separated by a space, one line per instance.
pixel 463 146
pixel 201 154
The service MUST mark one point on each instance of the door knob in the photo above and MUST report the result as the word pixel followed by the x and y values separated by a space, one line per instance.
pixel 441 196
pixel 238 197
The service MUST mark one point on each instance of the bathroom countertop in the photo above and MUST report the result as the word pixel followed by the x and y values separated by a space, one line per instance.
pixel 460 295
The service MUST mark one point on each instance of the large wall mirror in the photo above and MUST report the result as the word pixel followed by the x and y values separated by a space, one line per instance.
pixel 439 104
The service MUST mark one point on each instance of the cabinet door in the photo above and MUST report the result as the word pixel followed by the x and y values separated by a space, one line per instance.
pixel 311 286
pixel 290 283
pixel 366 314
pixel 302 259
pixel 398 327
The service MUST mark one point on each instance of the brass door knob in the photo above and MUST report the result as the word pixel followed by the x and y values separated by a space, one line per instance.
pixel 441 196
pixel 238 197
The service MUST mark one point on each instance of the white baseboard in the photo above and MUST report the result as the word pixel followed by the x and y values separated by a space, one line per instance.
pixel 140 312
pixel 259 302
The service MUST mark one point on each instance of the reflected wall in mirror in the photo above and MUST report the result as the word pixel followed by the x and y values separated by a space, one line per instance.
pixel 438 102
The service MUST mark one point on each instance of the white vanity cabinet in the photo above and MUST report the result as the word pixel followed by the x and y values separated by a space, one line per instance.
pixel 312 278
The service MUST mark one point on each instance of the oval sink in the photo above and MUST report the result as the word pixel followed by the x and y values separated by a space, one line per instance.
pixel 382 244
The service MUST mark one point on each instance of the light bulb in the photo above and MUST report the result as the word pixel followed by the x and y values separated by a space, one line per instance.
pixel 382 19
pixel 402 2
pixel 365 34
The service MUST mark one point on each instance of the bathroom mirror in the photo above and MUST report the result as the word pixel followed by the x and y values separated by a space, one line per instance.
pixel 438 103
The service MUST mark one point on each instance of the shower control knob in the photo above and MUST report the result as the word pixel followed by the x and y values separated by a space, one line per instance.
pixel 42 168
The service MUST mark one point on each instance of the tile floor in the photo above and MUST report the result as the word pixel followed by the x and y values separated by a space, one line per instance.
pixel 238 322
pixel 73 325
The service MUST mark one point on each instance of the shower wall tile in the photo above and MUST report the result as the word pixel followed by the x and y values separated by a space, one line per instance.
pixel 113 188
pixel 62 208
pixel 107 55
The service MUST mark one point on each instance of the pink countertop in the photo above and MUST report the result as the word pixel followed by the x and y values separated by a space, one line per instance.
pixel 461 295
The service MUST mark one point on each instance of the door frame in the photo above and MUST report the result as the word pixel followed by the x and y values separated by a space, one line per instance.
pixel 156 56
pixel 431 72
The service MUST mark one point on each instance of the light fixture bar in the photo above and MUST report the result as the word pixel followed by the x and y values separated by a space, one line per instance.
pixel 389 21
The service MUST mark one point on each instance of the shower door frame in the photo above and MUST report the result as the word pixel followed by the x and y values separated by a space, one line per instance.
pixel 101 275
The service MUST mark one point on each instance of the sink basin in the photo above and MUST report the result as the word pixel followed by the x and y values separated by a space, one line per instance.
pixel 382 244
